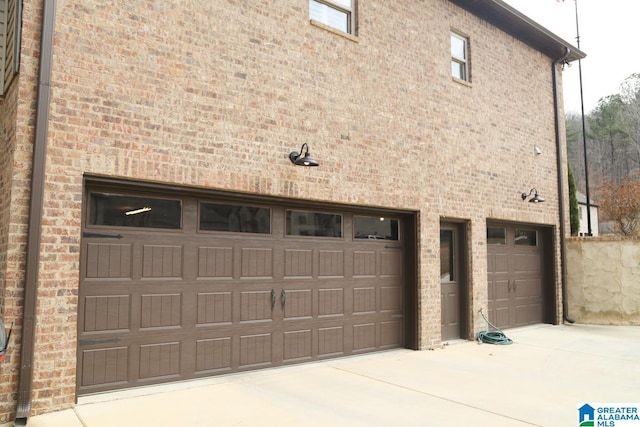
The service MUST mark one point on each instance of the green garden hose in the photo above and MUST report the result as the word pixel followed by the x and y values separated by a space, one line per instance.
pixel 493 337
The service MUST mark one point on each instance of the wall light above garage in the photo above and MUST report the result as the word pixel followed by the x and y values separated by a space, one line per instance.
pixel 298 159
pixel 536 197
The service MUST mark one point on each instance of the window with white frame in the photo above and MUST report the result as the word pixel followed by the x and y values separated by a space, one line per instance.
pixel 460 57
pixel 338 14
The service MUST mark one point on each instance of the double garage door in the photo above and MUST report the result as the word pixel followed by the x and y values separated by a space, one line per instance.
pixel 175 288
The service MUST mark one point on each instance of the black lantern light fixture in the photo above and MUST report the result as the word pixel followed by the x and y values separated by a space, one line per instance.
pixel 303 158
pixel 536 197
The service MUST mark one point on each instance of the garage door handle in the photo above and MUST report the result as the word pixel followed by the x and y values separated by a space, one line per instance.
pixel 283 298
pixel 273 299
pixel 515 285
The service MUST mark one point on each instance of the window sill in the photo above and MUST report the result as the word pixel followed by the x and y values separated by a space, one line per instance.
pixel 462 82
pixel 333 30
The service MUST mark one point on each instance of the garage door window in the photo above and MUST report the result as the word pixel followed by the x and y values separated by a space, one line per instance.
pixel 121 210
pixel 235 218
pixel 375 228
pixel 525 237
pixel 300 223
pixel 496 236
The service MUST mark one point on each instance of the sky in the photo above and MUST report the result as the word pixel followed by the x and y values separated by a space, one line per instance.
pixel 607 36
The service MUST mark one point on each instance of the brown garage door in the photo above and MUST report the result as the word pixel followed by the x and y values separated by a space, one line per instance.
pixel 180 288
pixel 515 275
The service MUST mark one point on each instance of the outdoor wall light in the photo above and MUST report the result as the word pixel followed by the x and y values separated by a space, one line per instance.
pixel 299 159
pixel 536 197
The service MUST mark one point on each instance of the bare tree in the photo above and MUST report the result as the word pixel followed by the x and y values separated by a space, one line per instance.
pixel 607 132
pixel 612 139
pixel 630 116
pixel 620 204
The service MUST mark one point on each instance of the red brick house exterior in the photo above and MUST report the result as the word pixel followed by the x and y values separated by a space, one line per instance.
pixel 205 101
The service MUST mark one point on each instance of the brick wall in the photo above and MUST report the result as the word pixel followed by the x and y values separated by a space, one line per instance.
pixel 217 94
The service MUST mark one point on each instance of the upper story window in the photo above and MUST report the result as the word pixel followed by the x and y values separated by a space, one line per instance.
pixel 338 14
pixel 460 57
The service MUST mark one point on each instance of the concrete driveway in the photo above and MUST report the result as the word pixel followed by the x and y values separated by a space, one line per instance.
pixel 541 379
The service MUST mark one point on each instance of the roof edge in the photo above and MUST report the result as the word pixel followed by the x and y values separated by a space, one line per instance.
pixel 520 26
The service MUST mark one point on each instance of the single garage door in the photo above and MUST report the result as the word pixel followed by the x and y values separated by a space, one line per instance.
pixel 515 266
pixel 175 288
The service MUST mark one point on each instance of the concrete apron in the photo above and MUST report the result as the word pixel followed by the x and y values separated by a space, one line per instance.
pixel 541 379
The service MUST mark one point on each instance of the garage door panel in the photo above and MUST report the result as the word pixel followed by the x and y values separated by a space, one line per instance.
pixel 297 345
pixel 160 311
pixel 498 261
pixel 214 308
pixel 108 260
pixel 331 341
pixel 298 263
pixel 213 355
pixel 104 366
pixel 364 337
pixel 255 350
pixel 330 263
pixel 391 333
pixel 161 261
pixel 215 262
pixel 331 302
pixel 364 300
pixel 364 263
pixel 529 308
pixel 159 360
pixel 499 290
pixel 499 316
pixel 528 313
pixel 255 306
pixel 528 288
pixel 527 262
pixel 298 303
pixel 390 263
pixel 391 298
pixel 257 263
pixel 103 313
